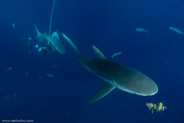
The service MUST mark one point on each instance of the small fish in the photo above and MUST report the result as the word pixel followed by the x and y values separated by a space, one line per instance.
pixel 9 69
pixel 141 30
pixel 13 24
pixel 50 75
pixel 176 30
pixel 115 54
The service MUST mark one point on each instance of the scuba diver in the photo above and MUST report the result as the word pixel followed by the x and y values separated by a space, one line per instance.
pixel 47 48
pixel 51 42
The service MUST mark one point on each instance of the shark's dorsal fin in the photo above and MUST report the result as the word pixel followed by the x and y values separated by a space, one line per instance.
pixel 98 52
pixel 106 89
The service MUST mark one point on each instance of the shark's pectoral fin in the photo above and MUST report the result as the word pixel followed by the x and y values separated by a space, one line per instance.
pixel 106 89
pixel 98 52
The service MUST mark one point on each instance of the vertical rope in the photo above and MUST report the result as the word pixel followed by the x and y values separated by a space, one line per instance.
pixel 51 18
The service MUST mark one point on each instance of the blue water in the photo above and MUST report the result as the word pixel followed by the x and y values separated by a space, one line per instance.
pixel 27 93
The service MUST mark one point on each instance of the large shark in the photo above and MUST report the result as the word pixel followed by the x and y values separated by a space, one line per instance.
pixel 115 75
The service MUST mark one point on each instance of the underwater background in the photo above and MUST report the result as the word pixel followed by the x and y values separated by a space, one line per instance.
pixel 55 87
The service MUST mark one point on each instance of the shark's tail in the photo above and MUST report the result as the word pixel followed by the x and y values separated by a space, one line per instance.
pixel 72 44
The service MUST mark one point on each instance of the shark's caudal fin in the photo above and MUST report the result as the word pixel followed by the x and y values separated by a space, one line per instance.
pixel 106 89
pixel 72 44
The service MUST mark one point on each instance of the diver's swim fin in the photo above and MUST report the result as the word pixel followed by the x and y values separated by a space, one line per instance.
pixel 38 32
pixel 57 43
